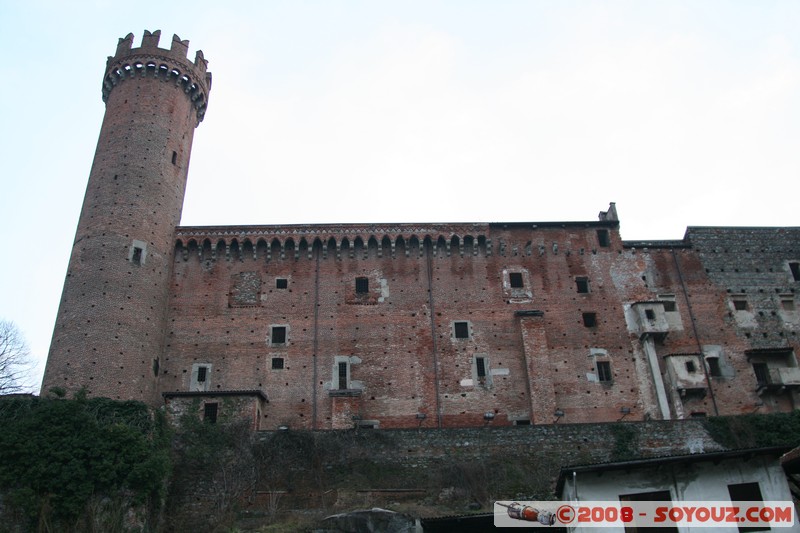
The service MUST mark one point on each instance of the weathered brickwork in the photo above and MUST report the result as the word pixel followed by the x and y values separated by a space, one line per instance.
pixel 403 325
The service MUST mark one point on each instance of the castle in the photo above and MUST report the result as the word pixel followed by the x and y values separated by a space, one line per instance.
pixel 402 325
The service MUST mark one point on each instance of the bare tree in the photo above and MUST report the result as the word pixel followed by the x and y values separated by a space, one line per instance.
pixel 15 362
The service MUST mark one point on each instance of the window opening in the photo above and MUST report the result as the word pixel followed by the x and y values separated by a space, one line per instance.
pixel 277 363
pixel 202 374
pixel 795 268
pixel 669 306
pixel 136 258
pixel 515 279
pixel 461 330
pixel 342 376
pixel 210 412
pixel 650 314
pixel 278 334
pixel 604 371
pixel 788 304
pixel 524 422
pixel 746 492
pixel 740 305
pixel 582 284
pixel 690 367
pixel 590 320
pixel 762 373
pixel 156 366
pixel 656 496
pixel 480 363
pixel 362 285
pixel 281 283
pixel 713 367
pixel 602 237
pixel 174 158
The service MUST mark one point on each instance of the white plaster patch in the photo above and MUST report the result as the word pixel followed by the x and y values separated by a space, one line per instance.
pixel 499 371
pixel 467 383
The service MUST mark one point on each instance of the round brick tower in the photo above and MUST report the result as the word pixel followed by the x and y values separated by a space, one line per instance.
pixel 109 333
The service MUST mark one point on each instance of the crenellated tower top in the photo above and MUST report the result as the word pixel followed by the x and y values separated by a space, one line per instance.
pixel 167 65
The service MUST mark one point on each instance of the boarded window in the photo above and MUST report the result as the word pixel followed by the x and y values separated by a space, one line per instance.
pixel 515 280
pixel 362 285
pixel 461 330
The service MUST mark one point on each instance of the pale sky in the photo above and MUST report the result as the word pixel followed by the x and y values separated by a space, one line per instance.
pixel 684 113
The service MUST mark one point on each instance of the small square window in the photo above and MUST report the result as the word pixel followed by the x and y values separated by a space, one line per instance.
pixel 590 320
pixel 277 363
pixel 515 280
pixel 669 305
pixel 281 283
pixel 650 314
pixel 740 305
pixel 461 330
pixel 202 374
pixel 278 335
pixel 690 367
pixel 604 371
pixel 362 285
pixel 582 285
pixel 602 238
pixel 787 304
pixel 210 412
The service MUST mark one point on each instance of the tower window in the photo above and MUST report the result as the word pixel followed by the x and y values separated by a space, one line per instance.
pixel 582 284
pixel 590 320
pixel 281 283
pixel 650 314
pixel 795 268
pixel 480 364
pixel 602 237
pixel 174 158
pixel 156 366
pixel 278 335
pixel 515 280
pixel 136 259
pixel 713 366
pixel 740 305
pixel 690 367
pixel 762 373
pixel 461 330
pixel 362 285
pixel 202 374
pixel 210 412
pixel 277 363
pixel 342 376
pixel 604 371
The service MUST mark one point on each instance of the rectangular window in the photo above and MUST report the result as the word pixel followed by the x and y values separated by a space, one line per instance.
pixel 604 371
pixel 277 363
pixel 480 365
pixel 650 314
pixel 656 496
pixel 278 335
pixel 281 283
pixel 461 330
pixel 515 279
pixel 342 376
pixel 747 492
pixel 602 238
pixel 174 158
pixel 740 305
pixel 590 320
pixel 787 304
pixel 210 412
pixel 690 367
pixel 362 285
pixel 202 374
pixel 795 268
pixel 523 422
pixel 582 284
pixel 762 373
pixel 136 258
pixel 713 366
pixel 669 305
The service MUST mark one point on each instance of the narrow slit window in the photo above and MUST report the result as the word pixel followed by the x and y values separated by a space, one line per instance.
pixel 515 280
pixel 604 371
pixel 795 268
pixel 461 330
pixel 202 374
pixel 156 367
pixel 210 412
pixel 362 285
pixel 278 335
pixel 281 283
pixel 277 363
pixel 174 158
pixel 342 376
pixel 582 285
pixel 590 320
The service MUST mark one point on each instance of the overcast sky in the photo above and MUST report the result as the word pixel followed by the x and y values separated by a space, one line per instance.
pixel 683 112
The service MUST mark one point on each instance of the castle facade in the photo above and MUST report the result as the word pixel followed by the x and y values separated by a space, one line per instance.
pixel 400 325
